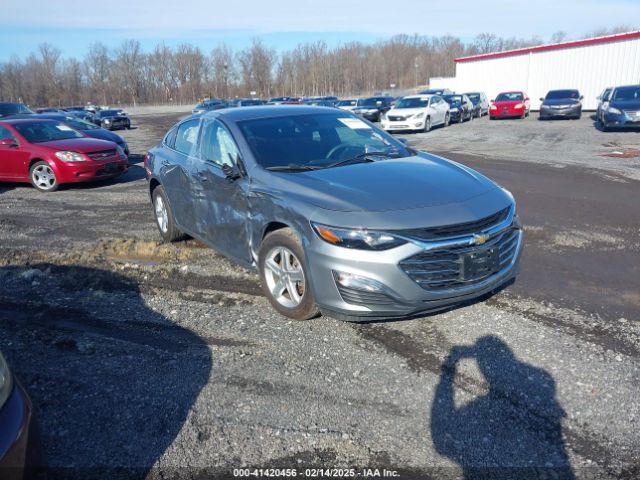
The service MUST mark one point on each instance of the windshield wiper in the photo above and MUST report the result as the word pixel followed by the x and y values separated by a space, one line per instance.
pixel 362 157
pixel 293 167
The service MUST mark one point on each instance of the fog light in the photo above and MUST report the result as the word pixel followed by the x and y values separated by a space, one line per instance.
pixel 349 280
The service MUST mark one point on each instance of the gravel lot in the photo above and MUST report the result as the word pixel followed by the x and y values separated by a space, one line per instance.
pixel 164 361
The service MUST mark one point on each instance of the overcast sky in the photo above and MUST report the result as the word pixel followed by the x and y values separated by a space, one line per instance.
pixel 72 25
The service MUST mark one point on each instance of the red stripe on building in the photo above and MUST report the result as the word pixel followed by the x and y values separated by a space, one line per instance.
pixel 553 46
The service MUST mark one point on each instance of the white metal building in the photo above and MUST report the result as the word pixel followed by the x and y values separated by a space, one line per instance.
pixel 589 65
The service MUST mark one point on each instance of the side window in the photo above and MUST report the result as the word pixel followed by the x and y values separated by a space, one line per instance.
pixel 217 145
pixel 170 137
pixel 6 133
pixel 187 136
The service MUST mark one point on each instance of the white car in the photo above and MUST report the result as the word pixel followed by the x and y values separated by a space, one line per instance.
pixel 417 113
pixel 349 104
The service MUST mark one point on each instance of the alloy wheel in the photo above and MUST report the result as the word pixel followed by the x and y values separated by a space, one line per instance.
pixel 162 216
pixel 284 277
pixel 43 177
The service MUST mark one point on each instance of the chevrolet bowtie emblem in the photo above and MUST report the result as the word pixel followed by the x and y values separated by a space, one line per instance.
pixel 479 239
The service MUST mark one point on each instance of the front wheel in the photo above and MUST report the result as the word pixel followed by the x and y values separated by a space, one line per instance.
pixel 43 177
pixel 446 120
pixel 427 124
pixel 284 275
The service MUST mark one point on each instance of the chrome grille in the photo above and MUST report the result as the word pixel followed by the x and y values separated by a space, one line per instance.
pixel 444 269
pixel 102 155
pixel 457 230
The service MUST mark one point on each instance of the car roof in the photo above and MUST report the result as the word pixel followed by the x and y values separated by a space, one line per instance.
pixel 266 111
pixel 36 118
pixel 422 96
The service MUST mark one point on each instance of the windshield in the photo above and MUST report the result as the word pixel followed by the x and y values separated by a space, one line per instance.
pixel 450 99
pixel 372 102
pixel 7 109
pixel 412 103
pixel 80 124
pixel 627 94
pixel 474 97
pixel 347 103
pixel 562 94
pixel 109 113
pixel 510 96
pixel 38 132
pixel 315 140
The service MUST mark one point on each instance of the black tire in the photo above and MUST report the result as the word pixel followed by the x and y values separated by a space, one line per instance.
pixel 427 125
pixel 287 239
pixel 447 120
pixel 170 232
pixel 43 177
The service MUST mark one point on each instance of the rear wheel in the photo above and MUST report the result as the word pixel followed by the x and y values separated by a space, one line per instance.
pixel 284 275
pixel 164 216
pixel 43 177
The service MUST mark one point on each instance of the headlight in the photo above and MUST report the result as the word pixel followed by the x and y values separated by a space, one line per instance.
pixel 106 120
pixel 360 239
pixel 614 110
pixel 493 107
pixel 454 109
pixel 518 105
pixel 70 156
pixel 6 381
pixel 419 115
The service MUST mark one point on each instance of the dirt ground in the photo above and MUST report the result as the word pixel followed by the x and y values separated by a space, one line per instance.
pixel 147 360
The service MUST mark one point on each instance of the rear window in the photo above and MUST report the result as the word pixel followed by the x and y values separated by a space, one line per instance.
pixel 38 132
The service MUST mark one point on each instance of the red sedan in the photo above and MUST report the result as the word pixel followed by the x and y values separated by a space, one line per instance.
pixel 48 153
pixel 509 105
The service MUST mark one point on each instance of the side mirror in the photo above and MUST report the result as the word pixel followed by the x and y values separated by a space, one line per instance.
pixel 581 97
pixel 526 99
pixel 8 142
pixel 492 100
pixel 231 172
pixel 541 99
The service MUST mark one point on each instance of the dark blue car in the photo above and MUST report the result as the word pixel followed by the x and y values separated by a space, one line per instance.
pixel 623 110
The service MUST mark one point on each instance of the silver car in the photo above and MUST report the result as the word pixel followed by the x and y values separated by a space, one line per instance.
pixel 335 214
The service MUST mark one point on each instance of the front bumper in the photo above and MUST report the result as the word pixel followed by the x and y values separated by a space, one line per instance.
pixel 15 433
pixel 371 116
pixel 623 120
pixel 90 170
pixel 402 125
pixel 507 113
pixel 401 295
pixel 569 112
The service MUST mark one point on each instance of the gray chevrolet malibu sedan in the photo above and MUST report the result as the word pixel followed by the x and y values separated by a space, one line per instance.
pixel 336 215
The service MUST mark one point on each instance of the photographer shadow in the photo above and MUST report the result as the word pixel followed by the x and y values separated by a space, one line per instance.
pixel 513 431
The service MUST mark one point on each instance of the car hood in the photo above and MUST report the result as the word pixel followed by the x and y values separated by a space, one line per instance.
pixel 625 104
pixel 508 103
pixel 561 101
pixel 80 145
pixel 408 183
pixel 103 134
pixel 405 112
